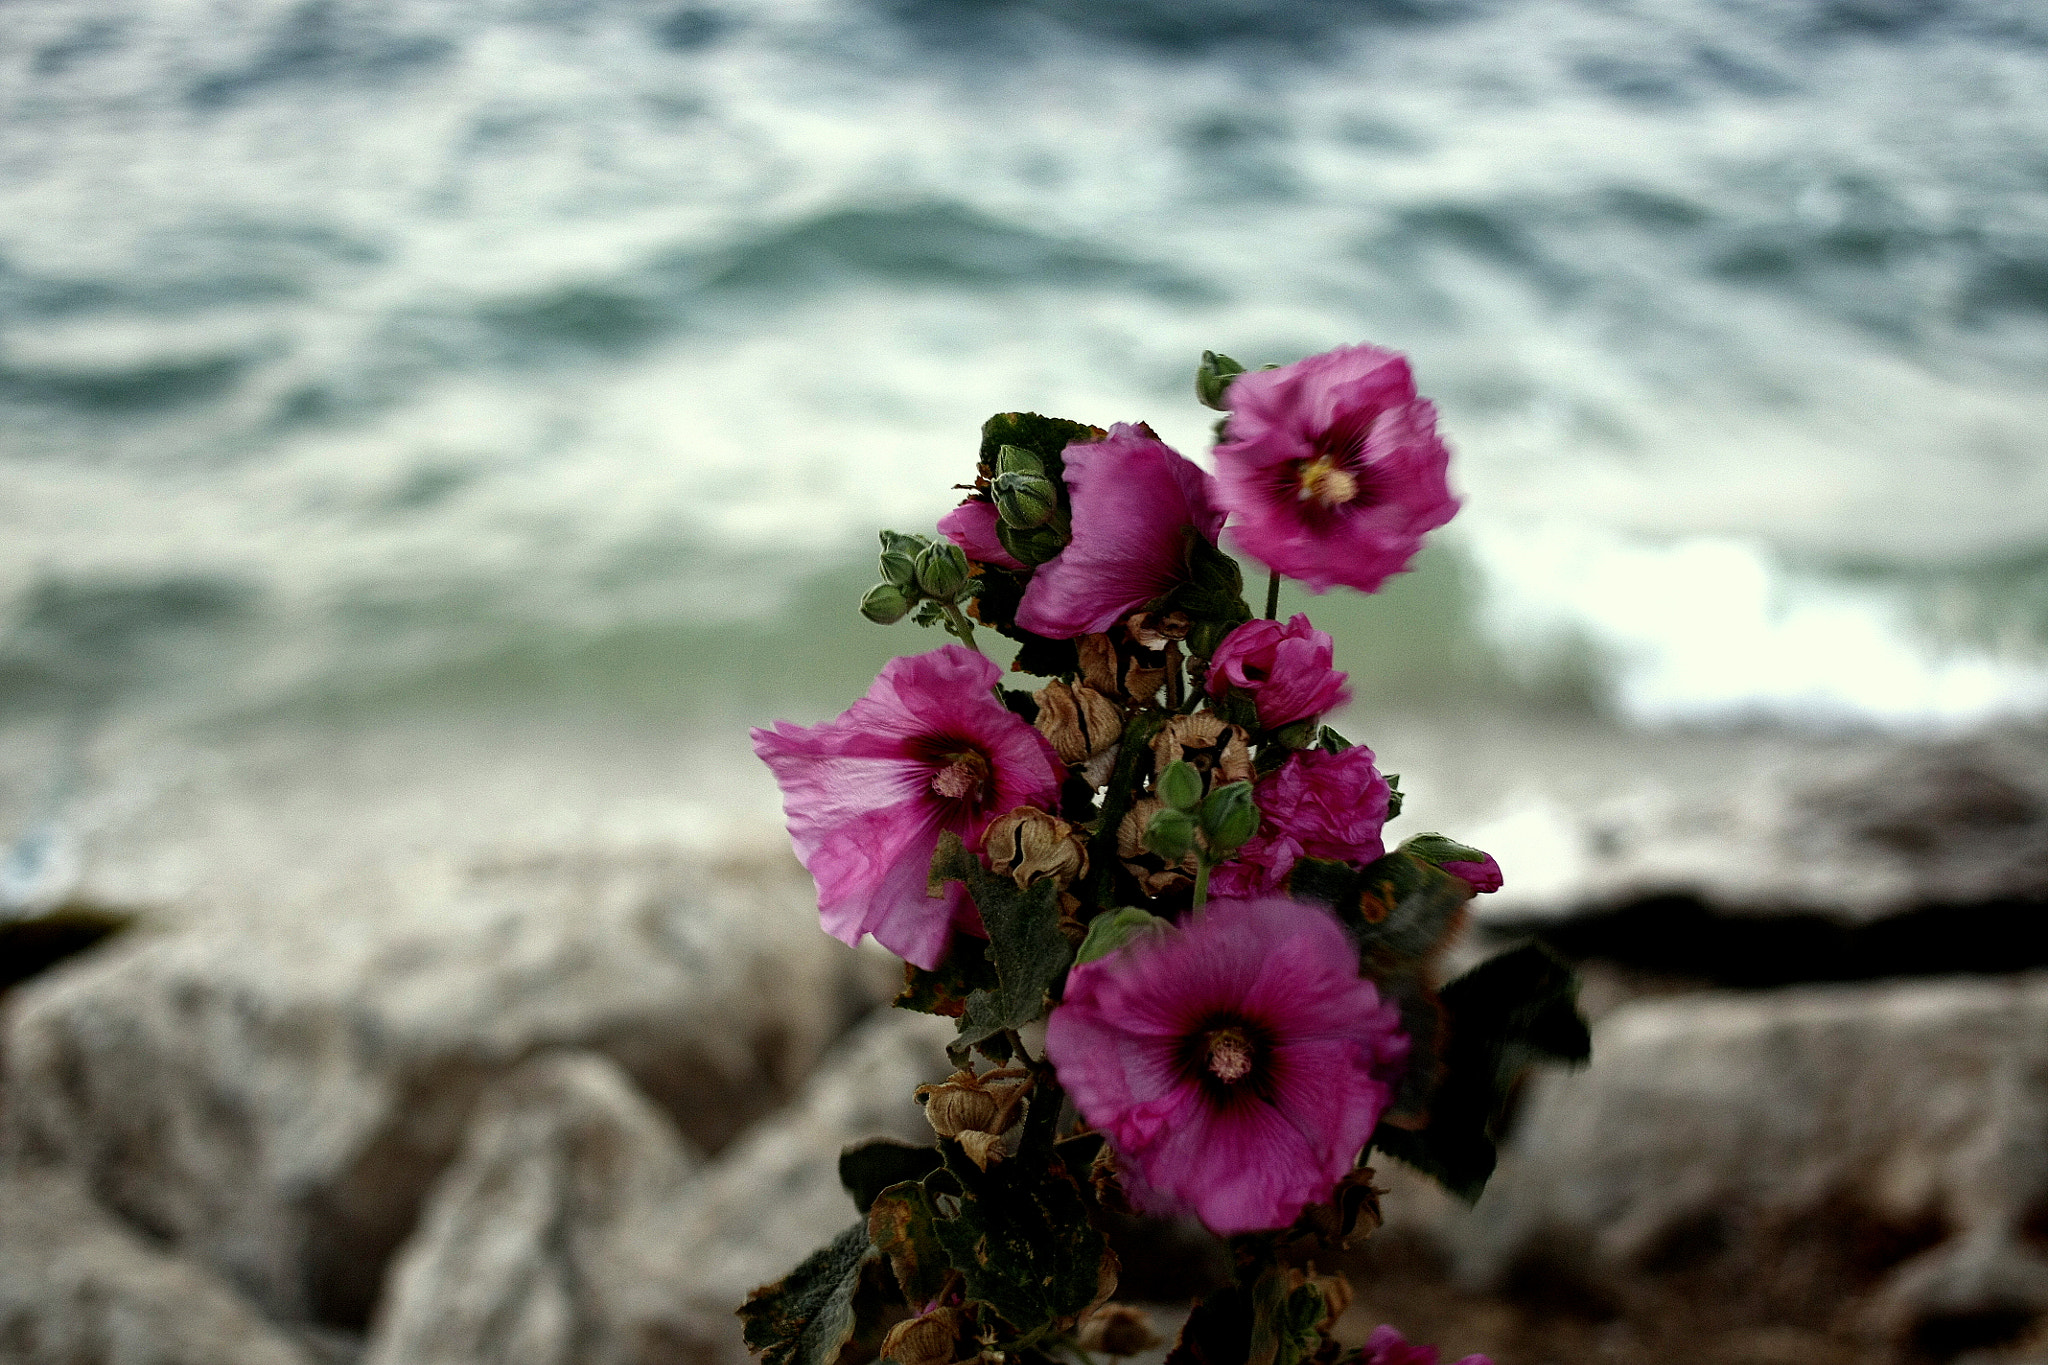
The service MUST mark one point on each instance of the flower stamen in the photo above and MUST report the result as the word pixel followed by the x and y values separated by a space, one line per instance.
pixel 1230 1055
pixel 963 778
pixel 1325 481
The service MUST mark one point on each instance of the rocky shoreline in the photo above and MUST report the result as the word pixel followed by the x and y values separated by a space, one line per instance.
pixel 571 1108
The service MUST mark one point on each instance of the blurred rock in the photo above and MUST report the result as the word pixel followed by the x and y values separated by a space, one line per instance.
pixel 76 1288
pixel 551 1237
pixel 275 1097
pixel 1868 1161
pixel 571 1228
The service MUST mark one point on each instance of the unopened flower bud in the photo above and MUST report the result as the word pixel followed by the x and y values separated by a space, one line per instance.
pixel 1025 500
pixel 1117 1329
pixel 942 571
pixel 899 558
pixel 1229 817
pixel 1035 545
pixel 1212 380
pixel 924 1340
pixel 1171 834
pixel 1180 785
pixel 885 604
pixel 1018 460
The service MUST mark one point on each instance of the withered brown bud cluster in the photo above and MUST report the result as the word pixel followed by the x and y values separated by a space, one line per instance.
pixel 1220 751
pixel 1134 658
pixel 923 1340
pixel 1080 721
pixel 1117 1329
pixel 976 1111
pixel 1029 843
pixel 1155 875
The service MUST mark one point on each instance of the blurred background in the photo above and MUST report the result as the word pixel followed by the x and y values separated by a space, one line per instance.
pixel 431 434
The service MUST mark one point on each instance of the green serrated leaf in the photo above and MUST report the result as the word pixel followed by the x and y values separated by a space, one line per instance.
pixel 868 1168
pixel 1024 940
pixel 903 1225
pixel 1022 1241
pixel 1045 437
pixel 809 1315
pixel 1504 1015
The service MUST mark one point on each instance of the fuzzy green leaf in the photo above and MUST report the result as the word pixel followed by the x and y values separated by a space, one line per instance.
pixel 809 1315
pixel 1503 1016
pixel 1024 942
pixel 1022 1240
pixel 946 991
pixel 904 1227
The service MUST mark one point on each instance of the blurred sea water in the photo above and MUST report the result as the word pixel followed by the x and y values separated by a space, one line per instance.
pixel 365 359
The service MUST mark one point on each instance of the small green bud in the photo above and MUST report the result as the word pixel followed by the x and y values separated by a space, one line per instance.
pixel 1299 735
pixel 1171 834
pixel 885 604
pixel 1033 546
pixel 1018 460
pixel 1026 500
pixel 1112 929
pixel 942 571
pixel 1212 380
pixel 1229 817
pixel 1180 786
pixel 899 558
pixel 1435 848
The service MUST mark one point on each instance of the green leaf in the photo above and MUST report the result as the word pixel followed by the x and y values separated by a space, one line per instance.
pixel 946 991
pixel 1045 437
pixel 1112 929
pixel 1024 942
pixel 904 1227
pixel 809 1315
pixel 1503 1016
pixel 868 1168
pixel 1022 1240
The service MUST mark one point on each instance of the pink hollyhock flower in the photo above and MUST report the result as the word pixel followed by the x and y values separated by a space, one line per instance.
pixel 1136 502
pixel 1318 805
pixel 1237 1063
pixel 1331 468
pixel 1285 669
pixel 972 526
pixel 1388 1347
pixel 928 749
pixel 1482 877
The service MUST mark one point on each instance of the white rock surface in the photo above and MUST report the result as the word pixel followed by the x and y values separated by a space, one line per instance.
pixel 575 1229
pixel 1705 1123
pixel 77 1288
pixel 275 1098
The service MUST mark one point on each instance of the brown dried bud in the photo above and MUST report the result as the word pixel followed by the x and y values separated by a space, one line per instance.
pixel 1155 631
pixel 983 1149
pixel 1029 843
pixel 1118 1329
pixel 1120 668
pixel 966 1103
pixel 1109 1191
pixel 1206 740
pixel 1154 874
pixel 925 1340
pixel 1079 721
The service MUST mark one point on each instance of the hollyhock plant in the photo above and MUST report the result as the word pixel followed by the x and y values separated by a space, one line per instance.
pixel 1286 670
pixel 928 749
pixel 972 526
pixel 1388 1347
pixel 1237 1063
pixel 1318 805
pixel 1136 502
pixel 1331 468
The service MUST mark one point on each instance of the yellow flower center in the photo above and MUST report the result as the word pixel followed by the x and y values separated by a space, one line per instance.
pixel 1230 1055
pixel 1327 482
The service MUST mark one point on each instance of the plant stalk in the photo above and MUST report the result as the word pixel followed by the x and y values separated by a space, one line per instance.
pixel 1273 595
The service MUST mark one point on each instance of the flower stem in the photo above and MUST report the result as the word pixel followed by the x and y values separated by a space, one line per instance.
pixel 1273 595
pixel 1201 882
pixel 957 622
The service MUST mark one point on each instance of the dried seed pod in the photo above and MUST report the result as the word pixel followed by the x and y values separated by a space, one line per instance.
pixel 952 1110
pixel 983 1149
pixel 1214 746
pixel 1336 1291
pixel 1029 843
pixel 1079 721
pixel 924 1340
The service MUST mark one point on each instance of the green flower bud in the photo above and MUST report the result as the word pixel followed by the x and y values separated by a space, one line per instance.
pixel 1180 786
pixel 1018 460
pixel 1112 929
pixel 1033 546
pixel 1026 500
pixel 885 604
pixel 1299 735
pixel 1171 834
pixel 942 571
pixel 1229 817
pixel 899 558
pixel 1212 380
